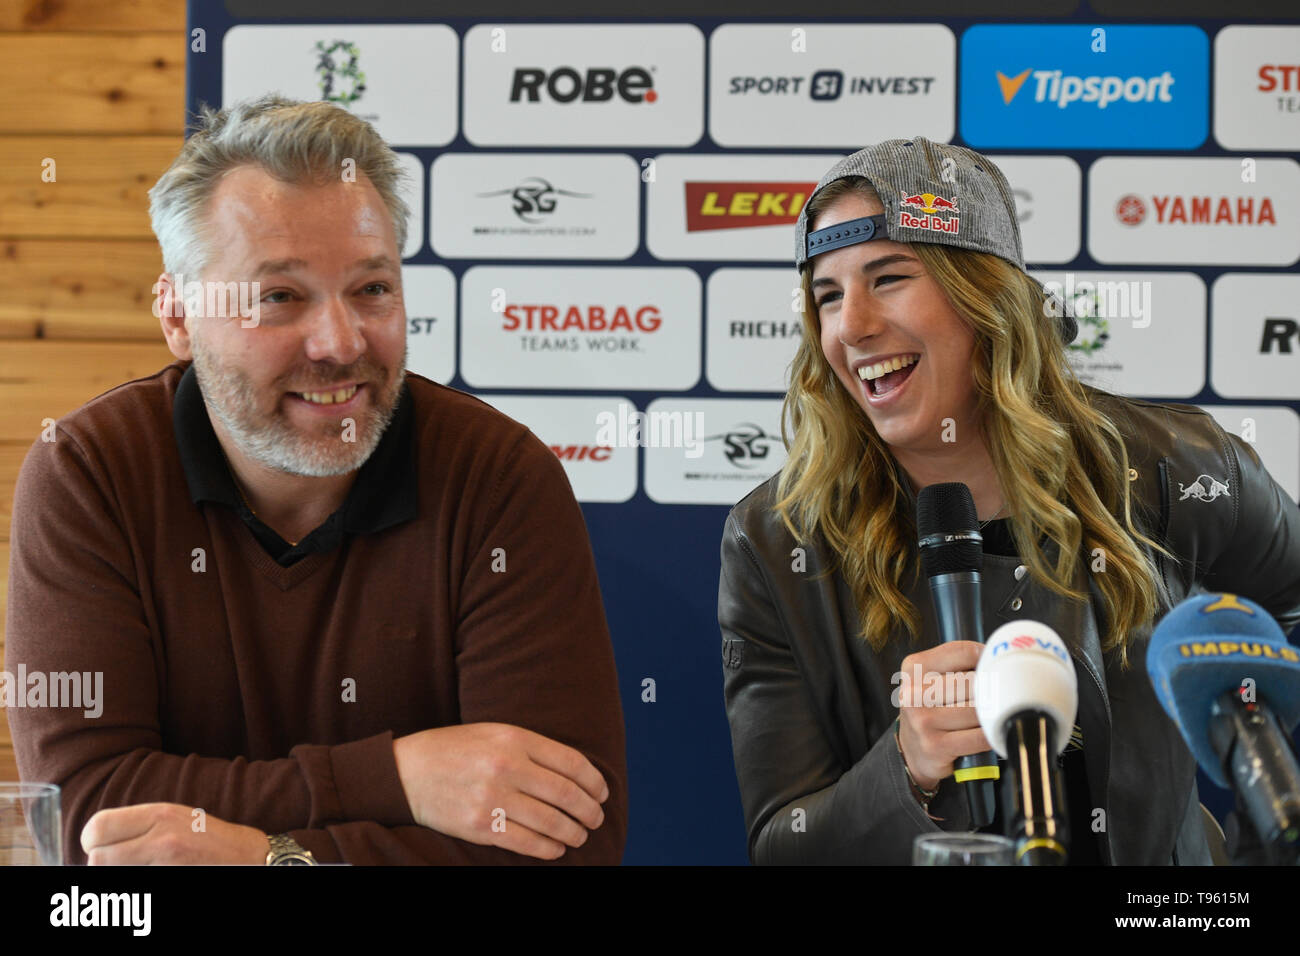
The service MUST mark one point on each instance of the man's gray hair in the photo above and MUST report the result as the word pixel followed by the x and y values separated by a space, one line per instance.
pixel 293 141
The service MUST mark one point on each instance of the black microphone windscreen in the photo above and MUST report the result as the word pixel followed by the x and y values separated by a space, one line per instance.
pixel 948 508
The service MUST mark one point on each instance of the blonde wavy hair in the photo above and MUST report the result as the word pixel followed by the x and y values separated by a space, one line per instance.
pixel 1060 458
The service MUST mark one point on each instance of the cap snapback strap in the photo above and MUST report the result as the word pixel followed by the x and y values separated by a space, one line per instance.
pixel 846 234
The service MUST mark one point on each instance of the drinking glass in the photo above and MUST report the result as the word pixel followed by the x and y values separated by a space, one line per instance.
pixel 31 826
pixel 962 849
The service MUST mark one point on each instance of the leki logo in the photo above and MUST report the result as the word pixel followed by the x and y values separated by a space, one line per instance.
pixel 533 199
pixel 338 62
pixel 741 205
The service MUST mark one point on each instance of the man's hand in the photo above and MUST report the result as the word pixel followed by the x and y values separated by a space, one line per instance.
pixel 931 737
pixel 501 785
pixel 165 833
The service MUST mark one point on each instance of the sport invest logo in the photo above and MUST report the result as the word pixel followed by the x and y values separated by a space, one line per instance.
pixel 1089 87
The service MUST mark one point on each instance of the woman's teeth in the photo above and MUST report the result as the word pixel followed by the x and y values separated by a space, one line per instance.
pixel 869 372
pixel 329 398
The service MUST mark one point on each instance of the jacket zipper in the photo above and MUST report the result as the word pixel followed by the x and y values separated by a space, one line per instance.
pixel 1105 779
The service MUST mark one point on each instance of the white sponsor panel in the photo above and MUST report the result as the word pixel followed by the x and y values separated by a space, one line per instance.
pixel 598 469
pixel 1048 191
pixel 751 329
pixel 1273 431
pixel 413 192
pixel 429 293
pixel 1256 336
pixel 741 449
pixel 1128 319
pixel 535 206
pixel 1180 210
pixel 729 207
pixel 584 85
pixel 1257 87
pixel 580 328
pixel 832 85
pixel 402 81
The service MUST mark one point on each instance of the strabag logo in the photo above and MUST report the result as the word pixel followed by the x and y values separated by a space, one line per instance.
pixel 602 322
pixel 931 205
pixel 740 205
pixel 564 84
pixel 1257 87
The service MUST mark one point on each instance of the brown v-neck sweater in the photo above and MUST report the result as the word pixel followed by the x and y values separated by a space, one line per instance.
pixel 270 695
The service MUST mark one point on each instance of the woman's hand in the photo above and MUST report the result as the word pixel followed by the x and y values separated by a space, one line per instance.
pixel 937 722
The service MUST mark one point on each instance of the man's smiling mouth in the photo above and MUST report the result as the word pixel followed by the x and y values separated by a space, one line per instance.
pixel 328 397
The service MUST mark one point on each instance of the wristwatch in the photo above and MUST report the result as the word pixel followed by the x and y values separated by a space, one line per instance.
pixel 286 851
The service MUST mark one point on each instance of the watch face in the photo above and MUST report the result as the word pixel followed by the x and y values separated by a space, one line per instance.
pixel 295 861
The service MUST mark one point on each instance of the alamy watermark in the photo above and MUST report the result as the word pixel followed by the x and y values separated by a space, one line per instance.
pixel 1101 299
pixel 215 299
pixel 656 429
pixel 84 689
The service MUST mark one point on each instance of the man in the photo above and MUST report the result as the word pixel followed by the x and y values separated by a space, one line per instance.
pixel 343 614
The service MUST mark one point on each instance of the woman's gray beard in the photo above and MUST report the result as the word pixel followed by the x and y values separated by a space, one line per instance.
pixel 278 445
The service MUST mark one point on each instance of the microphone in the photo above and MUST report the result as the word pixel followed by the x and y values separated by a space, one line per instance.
pixel 1027 696
pixel 952 554
pixel 1223 670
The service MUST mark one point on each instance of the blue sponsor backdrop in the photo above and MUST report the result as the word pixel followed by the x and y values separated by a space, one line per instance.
pixel 659 564
pixel 1080 87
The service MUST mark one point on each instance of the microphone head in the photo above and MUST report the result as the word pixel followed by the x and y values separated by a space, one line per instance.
pixel 948 528
pixel 1212 643
pixel 1025 666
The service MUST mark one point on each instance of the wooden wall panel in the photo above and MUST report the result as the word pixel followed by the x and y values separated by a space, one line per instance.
pixel 87 83
pixel 41 380
pixel 99 87
pixel 101 189
pixel 92 15
pixel 75 288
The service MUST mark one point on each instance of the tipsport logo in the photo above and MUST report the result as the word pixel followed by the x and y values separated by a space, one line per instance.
pixel 1089 87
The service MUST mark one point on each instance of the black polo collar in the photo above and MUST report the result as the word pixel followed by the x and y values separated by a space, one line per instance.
pixel 383 495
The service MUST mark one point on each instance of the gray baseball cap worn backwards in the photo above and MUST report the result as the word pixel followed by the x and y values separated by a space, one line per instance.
pixel 932 192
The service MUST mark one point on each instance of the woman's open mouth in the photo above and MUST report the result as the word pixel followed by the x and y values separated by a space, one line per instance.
pixel 885 378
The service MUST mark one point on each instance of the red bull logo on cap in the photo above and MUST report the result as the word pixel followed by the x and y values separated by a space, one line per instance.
pixel 928 202
pixel 931 205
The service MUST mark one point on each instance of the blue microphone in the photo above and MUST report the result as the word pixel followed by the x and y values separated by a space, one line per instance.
pixel 1224 672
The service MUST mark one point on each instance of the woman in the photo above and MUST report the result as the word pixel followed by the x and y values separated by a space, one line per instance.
pixel 929 356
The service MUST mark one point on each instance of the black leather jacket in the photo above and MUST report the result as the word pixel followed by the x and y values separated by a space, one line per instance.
pixel 812 724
